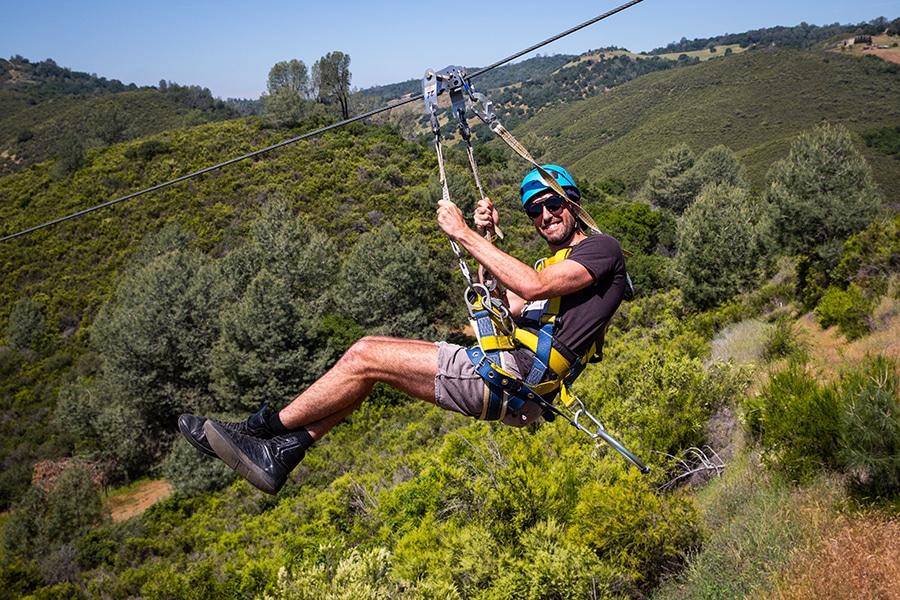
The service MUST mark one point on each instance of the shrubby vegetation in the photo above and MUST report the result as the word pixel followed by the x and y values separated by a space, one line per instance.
pixel 48 524
pixel 805 426
pixel 385 497
pixel 887 140
pixel 27 328
pixel 288 260
pixel 55 80
pixel 870 430
pixel 803 35
pixel 576 80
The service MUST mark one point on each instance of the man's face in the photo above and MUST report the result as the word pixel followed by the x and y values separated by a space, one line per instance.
pixel 558 225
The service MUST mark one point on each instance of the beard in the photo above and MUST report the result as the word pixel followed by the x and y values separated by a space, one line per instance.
pixel 562 232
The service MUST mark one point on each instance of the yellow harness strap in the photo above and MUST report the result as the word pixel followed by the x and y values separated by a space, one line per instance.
pixel 552 371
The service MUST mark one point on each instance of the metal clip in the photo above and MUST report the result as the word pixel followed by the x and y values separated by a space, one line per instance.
pixel 476 100
pixel 477 298
pixel 600 432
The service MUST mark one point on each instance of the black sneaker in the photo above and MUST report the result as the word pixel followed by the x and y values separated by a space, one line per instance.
pixel 191 427
pixel 264 463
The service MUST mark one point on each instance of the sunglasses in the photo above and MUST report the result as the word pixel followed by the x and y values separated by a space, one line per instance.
pixel 552 203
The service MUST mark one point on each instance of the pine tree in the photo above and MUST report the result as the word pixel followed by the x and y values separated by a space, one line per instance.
pixel 823 193
pixel 723 245
pixel 157 334
pixel 671 183
pixel 267 348
pixel 27 326
pixel 385 284
pixel 870 428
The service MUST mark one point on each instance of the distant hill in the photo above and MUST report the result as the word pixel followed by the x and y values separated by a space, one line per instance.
pixel 755 103
pixel 44 106
pixel 521 89
pixel 539 67
pixel 802 36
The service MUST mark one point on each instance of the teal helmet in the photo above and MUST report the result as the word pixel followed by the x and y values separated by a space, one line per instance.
pixel 533 184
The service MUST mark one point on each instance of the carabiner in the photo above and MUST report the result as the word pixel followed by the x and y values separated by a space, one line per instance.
pixel 486 114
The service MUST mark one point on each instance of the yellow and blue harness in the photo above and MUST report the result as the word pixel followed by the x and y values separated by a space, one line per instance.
pixel 554 367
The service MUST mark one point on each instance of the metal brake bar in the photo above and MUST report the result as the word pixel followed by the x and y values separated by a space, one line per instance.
pixel 601 433
pixel 582 413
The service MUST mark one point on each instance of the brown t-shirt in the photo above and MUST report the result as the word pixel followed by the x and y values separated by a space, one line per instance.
pixel 583 315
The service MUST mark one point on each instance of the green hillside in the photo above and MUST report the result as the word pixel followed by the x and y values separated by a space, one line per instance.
pixel 45 108
pixel 73 265
pixel 754 103
pixel 244 284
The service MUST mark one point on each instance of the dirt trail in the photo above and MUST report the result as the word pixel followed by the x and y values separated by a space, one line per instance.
pixel 136 501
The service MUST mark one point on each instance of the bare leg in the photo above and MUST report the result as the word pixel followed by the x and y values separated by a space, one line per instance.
pixel 407 365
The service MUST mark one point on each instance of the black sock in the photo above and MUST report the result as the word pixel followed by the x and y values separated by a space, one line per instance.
pixel 306 440
pixel 278 428
pixel 276 425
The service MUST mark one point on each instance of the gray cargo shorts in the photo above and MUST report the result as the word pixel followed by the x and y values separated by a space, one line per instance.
pixel 459 387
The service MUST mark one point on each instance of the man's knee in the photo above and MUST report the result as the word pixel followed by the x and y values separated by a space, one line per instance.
pixel 409 365
pixel 369 351
pixel 360 351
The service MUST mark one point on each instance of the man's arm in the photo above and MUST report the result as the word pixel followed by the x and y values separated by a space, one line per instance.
pixel 557 279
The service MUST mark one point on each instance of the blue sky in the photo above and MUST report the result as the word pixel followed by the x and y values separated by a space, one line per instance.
pixel 230 46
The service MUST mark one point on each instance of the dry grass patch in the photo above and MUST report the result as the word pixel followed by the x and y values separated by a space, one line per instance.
pixel 741 342
pixel 860 558
pixel 136 498
pixel 831 353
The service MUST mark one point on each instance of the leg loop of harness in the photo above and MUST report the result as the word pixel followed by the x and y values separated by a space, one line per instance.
pixel 504 392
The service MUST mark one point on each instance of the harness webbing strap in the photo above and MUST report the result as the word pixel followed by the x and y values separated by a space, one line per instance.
pixel 504 391
pixel 552 371
pixel 489 335
pixel 553 358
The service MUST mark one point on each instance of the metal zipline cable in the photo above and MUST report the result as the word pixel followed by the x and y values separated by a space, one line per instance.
pixel 550 40
pixel 319 131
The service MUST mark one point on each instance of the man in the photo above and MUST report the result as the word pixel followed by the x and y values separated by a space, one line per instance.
pixel 584 285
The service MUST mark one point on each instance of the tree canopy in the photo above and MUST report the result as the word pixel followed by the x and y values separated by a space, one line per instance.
pixel 823 193
pixel 724 241
pixel 331 80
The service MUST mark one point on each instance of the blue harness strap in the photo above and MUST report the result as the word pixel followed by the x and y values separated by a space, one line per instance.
pixel 505 392
pixel 551 372
pixel 541 355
